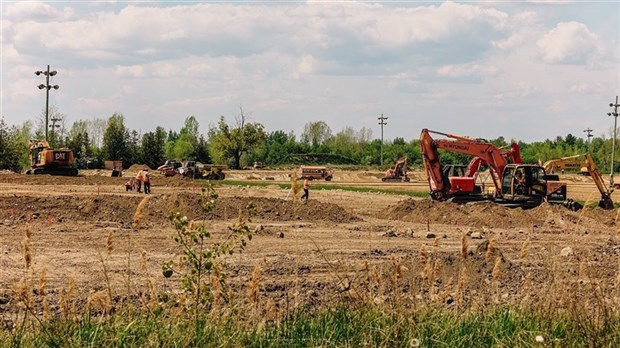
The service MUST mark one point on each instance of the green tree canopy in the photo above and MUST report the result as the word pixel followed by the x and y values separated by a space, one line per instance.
pixel 152 147
pixel 228 143
pixel 116 139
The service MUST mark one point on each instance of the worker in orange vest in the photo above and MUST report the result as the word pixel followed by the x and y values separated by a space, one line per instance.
pixel 146 179
pixel 139 181
pixel 306 190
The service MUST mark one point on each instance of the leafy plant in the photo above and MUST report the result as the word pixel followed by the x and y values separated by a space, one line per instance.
pixel 202 266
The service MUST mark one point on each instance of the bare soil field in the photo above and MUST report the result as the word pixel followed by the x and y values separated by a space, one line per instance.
pixel 306 254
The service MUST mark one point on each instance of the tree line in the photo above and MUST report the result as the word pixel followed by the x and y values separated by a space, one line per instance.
pixel 239 143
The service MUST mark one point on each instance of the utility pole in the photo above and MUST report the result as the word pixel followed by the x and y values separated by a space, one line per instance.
pixel 613 143
pixel 55 119
pixel 382 123
pixel 47 87
pixel 588 136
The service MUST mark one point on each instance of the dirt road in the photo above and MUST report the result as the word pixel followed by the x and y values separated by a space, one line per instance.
pixel 310 252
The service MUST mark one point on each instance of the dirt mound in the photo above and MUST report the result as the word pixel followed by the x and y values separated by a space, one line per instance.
pixel 265 208
pixel 494 215
pixel 138 167
pixel 121 209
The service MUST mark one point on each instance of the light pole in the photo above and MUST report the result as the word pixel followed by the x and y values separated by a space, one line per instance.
pixel 47 87
pixel 588 136
pixel 382 123
pixel 613 142
pixel 55 119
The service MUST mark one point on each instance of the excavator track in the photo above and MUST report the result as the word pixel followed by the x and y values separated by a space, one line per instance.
pixel 53 171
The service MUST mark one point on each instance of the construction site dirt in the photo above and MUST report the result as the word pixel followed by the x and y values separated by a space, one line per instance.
pixel 311 252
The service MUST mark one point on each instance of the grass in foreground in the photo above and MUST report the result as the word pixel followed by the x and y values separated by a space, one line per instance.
pixel 325 187
pixel 335 327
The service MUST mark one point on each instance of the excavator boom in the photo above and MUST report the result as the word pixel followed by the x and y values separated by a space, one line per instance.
pixel 584 161
pixel 487 153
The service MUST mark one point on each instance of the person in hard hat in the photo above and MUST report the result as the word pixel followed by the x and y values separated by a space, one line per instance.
pixel 306 194
pixel 139 181
pixel 146 180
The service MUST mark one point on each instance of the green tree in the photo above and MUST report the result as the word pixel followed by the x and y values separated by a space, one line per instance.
pixel 152 147
pixel 277 147
pixel 78 141
pixel 316 133
pixel 202 150
pixel 229 143
pixel 10 148
pixel 115 139
pixel 134 148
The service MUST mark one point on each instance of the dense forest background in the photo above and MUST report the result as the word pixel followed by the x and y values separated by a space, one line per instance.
pixel 239 143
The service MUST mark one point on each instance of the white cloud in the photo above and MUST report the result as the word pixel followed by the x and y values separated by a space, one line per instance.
pixel 467 70
pixel 36 10
pixel 162 61
pixel 571 43
pixel 523 26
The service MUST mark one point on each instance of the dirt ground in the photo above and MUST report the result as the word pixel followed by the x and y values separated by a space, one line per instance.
pixel 309 251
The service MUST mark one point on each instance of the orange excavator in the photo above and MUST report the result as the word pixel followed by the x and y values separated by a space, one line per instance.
pixel 398 173
pixel 516 184
pixel 454 173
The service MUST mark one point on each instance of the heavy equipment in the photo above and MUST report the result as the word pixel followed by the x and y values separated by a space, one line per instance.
pixel 197 170
pixel 45 160
pixel 398 173
pixel 516 184
pixel 169 168
pixel 586 164
pixel 316 173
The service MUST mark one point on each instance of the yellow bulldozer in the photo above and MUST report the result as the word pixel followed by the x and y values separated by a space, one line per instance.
pixel 45 160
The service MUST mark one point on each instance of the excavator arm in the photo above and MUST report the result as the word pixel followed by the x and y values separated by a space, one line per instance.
pixel 584 161
pixel 487 152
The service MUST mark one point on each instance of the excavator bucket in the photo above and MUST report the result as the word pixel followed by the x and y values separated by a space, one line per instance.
pixel 606 203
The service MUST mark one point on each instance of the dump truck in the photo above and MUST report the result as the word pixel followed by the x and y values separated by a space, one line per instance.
pixel 316 173
pixel 197 170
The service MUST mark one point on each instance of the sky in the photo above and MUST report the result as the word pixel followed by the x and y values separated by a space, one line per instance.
pixel 524 70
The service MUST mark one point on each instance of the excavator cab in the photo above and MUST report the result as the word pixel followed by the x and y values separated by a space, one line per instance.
pixel 528 185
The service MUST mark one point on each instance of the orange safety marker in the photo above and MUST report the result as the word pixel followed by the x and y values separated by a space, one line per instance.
pixel 11 213
pixel 49 219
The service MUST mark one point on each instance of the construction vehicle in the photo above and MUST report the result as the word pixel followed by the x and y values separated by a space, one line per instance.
pixel 398 173
pixel 45 160
pixel 316 173
pixel 169 168
pixel 197 170
pixel 586 164
pixel 516 184
pixel 213 171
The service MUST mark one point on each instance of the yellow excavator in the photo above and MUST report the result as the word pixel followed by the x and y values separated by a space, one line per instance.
pixel 585 163
pixel 45 160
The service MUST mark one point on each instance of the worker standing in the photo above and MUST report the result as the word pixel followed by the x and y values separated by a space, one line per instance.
pixel 306 190
pixel 146 179
pixel 139 181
